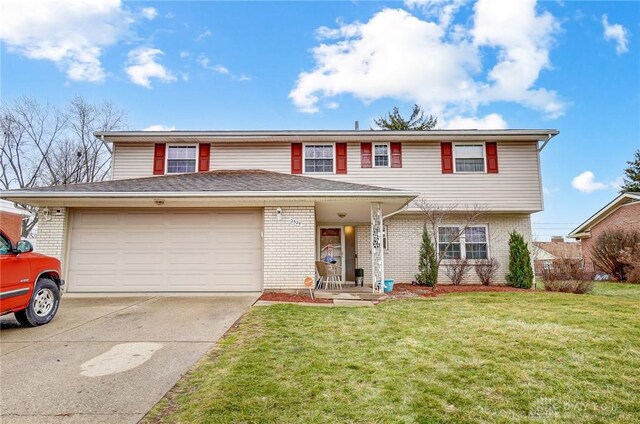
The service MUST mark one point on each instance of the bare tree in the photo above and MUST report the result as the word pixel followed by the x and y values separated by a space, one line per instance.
pixel 30 131
pixel 439 215
pixel 44 145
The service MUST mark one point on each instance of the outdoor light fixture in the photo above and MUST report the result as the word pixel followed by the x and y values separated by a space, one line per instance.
pixel 279 214
pixel 342 214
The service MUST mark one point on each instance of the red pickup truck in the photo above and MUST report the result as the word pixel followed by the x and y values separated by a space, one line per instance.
pixel 30 283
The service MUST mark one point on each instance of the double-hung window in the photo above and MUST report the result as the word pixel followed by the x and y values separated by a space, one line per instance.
pixel 469 157
pixel 318 158
pixel 380 155
pixel 181 159
pixel 449 242
pixel 456 244
pixel 475 243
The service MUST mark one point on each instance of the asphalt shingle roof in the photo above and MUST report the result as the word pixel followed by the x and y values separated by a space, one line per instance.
pixel 213 181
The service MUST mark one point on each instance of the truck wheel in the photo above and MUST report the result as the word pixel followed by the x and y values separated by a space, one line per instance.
pixel 42 306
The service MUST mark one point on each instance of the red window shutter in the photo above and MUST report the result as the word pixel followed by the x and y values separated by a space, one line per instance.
pixel 341 158
pixel 396 155
pixel 296 158
pixel 492 158
pixel 446 150
pixel 365 155
pixel 159 153
pixel 203 157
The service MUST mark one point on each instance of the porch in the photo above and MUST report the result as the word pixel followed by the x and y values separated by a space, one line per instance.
pixel 349 292
pixel 350 243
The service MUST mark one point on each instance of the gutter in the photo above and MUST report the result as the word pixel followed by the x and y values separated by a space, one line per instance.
pixel 182 194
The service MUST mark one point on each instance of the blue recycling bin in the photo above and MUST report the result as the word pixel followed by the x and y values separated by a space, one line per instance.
pixel 388 286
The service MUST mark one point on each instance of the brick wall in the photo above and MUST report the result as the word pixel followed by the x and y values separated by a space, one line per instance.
pixel 405 237
pixel 51 233
pixel 11 224
pixel 625 217
pixel 289 249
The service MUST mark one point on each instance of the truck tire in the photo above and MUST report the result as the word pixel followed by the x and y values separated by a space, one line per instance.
pixel 42 306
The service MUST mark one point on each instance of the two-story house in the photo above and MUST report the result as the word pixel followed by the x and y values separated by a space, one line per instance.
pixel 253 210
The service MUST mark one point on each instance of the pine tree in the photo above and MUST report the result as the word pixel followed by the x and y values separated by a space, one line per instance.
pixel 520 272
pixel 428 265
pixel 417 121
pixel 632 175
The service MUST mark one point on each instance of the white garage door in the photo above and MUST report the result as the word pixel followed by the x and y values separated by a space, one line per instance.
pixel 165 251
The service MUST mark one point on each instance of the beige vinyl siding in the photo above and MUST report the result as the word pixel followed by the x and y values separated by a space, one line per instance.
pixel 516 187
pixel 132 160
pixel 271 157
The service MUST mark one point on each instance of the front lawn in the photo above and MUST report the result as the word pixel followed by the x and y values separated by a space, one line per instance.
pixel 473 357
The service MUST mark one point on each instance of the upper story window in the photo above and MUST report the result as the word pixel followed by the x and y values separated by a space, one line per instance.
pixel 380 155
pixel 181 159
pixel 318 158
pixel 470 243
pixel 469 157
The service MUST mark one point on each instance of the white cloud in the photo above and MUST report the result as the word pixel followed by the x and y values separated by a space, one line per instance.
pixel 586 183
pixel 204 34
pixel 205 63
pixel 149 13
pixel 617 183
pixel 184 54
pixel 159 127
pixel 220 69
pixel 143 67
pixel 443 10
pixel 398 55
pixel 617 33
pixel 70 33
pixel 493 121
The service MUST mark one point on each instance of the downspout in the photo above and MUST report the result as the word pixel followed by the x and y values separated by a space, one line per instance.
pixel 549 137
pixel 402 209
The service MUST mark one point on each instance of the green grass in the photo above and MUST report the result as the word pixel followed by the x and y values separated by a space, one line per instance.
pixel 491 357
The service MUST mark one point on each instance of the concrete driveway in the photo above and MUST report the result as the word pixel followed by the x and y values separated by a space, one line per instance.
pixel 107 360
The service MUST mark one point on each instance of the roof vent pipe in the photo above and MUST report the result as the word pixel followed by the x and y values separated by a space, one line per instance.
pixel 357 126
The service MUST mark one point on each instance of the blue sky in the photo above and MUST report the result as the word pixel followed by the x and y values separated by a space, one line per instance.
pixel 570 65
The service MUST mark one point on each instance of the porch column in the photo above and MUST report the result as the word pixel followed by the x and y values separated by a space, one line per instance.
pixel 377 251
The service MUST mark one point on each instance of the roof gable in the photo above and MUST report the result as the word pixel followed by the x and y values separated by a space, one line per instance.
pixel 583 229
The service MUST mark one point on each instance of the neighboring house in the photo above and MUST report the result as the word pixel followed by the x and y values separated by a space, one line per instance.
pixel 10 220
pixel 253 210
pixel 621 213
pixel 546 252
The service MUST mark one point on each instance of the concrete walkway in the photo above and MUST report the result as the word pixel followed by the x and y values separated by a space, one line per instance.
pixel 107 360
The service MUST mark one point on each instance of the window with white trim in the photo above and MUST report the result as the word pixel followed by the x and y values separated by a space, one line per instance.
pixel 471 244
pixel 475 243
pixel 469 157
pixel 318 158
pixel 181 159
pixel 449 242
pixel 380 155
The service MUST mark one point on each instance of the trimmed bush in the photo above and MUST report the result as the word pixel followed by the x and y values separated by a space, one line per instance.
pixel 520 271
pixel 428 264
pixel 456 269
pixel 569 286
pixel 486 270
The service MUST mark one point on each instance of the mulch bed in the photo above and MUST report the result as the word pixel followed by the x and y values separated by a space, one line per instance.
pixel 409 290
pixel 286 297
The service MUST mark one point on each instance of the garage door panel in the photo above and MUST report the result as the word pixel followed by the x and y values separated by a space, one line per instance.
pixel 141 259
pixel 165 250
